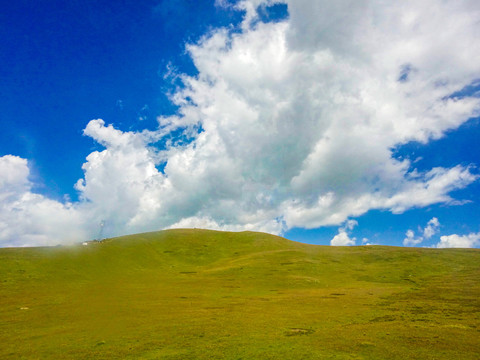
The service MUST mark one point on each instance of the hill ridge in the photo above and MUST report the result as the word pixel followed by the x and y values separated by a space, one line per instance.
pixel 202 294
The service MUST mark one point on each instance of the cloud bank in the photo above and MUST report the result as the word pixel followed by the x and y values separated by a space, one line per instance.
pixel 459 241
pixel 287 124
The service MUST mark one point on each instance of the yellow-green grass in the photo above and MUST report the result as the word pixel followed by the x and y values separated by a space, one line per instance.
pixel 197 294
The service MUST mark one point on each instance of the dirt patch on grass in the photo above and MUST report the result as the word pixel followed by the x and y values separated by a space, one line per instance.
pixel 298 331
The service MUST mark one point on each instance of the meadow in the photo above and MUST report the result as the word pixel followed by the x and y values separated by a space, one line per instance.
pixel 198 294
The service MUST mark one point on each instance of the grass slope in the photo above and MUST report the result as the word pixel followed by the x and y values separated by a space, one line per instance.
pixel 197 294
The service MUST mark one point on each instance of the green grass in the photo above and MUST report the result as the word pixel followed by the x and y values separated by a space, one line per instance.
pixel 197 294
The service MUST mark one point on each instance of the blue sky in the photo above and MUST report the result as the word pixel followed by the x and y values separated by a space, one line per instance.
pixel 67 62
pixel 343 124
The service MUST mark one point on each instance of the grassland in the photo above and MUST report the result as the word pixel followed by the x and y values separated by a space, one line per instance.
pixel 196 294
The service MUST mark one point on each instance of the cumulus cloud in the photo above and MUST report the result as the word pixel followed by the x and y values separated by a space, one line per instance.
pixel 430 229
pixel 410 238
pixel 343 238
pixel 27 218
pixel 459 241
pixel 291 123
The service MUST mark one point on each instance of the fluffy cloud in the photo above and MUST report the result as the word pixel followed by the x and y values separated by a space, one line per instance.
pixel 27 218
pixel 288 124
pixel 14 177
pixel 459 241
pixel 293 122
pixel 430 229
pixel 343 238
pixel 410 238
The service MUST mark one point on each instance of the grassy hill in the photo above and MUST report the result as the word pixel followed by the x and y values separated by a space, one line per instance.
pixel 197 294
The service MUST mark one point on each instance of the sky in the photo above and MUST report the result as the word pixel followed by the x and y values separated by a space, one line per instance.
pixel 333 123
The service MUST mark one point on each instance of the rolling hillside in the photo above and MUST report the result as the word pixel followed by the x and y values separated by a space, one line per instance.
pixel 198 294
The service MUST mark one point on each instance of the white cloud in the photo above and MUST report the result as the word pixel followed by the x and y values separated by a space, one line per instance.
pixel 410 238
pixel 28 219
pixel 367 242
pixel 13 176
pixel 298 121
pixel 430 229
pixel 459 241
pixel 121 183
pixel 343 238
pixel 350 224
